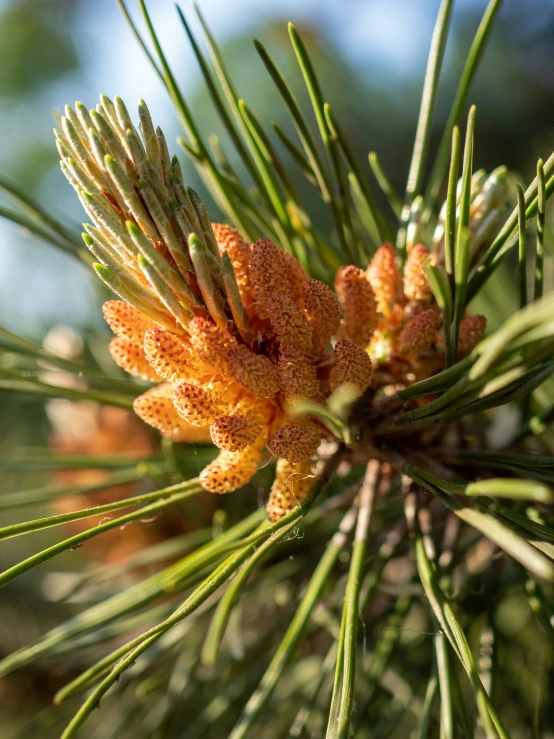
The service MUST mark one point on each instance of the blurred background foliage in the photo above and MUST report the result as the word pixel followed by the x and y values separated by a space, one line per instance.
pixel 370 56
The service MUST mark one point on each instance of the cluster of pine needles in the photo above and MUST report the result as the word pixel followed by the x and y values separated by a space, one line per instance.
pixel 381 595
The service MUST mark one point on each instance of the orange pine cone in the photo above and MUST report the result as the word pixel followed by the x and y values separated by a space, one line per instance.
pixel 131 358
pixel 471 332
pixel 172 358
pixel 254 372
pixel 352 366
pixel 211 343
pixel 291 485
pixel 288 321
pixel 416 286
pixel 357 301
pixel 235 433
pixel 297 374
pixel 419 334
pixel 125 321
pixel 197 405
pixel 323 312
pixel 385 279
pixel 296 441
pixel 229 240
pixel 231 470
pixel 155 407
